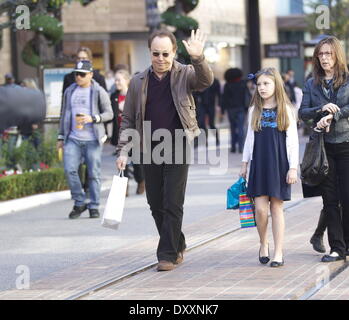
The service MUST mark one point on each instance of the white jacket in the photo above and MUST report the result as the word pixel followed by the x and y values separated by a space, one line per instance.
pixel 292 145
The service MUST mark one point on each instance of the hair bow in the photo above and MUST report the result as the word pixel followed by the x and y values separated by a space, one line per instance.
pixel 252 77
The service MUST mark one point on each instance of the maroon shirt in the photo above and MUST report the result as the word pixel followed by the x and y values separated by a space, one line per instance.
pixel 160 108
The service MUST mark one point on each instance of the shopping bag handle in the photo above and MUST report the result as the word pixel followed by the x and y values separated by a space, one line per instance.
pixel 121 173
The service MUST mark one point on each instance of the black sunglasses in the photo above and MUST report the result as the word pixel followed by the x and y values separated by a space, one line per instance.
pixel 80 74
pixel 164 54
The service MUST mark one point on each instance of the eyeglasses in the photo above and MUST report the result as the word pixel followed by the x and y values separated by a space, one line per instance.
pixel 157 54
pixel 324 54
pixel 80 74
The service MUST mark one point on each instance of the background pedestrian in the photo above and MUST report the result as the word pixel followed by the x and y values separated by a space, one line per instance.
pixel 86 106
pixel 234 102
pixel 122 82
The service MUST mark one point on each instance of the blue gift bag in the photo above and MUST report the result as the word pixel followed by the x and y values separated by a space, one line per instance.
pixel 233 193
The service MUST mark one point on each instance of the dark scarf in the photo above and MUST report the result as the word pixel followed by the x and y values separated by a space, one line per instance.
pixel 328 90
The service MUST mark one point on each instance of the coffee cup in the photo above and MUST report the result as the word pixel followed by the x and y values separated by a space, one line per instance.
pixel 79 124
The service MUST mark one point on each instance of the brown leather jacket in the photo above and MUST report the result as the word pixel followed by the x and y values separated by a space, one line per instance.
pixel 184 80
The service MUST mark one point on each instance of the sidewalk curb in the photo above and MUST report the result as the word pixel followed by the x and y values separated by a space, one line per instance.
pixel 333 270
pixel 12 206
pixel 15 205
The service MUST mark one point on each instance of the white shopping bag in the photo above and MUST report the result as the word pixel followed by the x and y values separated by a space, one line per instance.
pixel 115 203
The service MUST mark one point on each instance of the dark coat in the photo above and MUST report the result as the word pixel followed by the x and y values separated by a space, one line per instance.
pixel 312 103
pixel 19 106
pixel 234 96
pixel 115 106
pixel 208 96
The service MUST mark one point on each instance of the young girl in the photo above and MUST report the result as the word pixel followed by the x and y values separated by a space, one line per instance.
pixel 272 146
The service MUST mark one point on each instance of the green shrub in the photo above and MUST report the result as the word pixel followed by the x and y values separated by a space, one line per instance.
pixel 26 157
pixel 30 183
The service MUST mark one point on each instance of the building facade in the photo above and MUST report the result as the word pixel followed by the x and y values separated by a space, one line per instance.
pixel 117 32
pixel 224 22
pixel 292 28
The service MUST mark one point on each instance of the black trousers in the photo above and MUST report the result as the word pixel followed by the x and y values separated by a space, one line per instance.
pixel 335 193
pixel 321 226
pixel 165 186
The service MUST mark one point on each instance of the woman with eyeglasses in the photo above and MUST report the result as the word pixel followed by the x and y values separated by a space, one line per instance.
pixel 326 102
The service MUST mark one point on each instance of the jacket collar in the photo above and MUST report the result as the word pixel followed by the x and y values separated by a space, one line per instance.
pixel 175 68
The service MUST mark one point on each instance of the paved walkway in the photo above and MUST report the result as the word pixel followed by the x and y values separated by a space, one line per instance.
pixel 226 268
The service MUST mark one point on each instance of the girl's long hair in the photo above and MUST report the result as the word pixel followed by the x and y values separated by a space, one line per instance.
pixel 340 67
pixel 281 98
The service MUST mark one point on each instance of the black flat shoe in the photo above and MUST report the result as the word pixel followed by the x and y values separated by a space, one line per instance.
pixel 263 260
pixel 276 264
pixel 328 258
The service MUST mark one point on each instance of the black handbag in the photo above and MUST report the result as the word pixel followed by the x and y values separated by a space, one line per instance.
pixel 314 167
pixel 311 191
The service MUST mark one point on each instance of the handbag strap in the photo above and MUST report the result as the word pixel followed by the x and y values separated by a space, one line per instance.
pixel 244 185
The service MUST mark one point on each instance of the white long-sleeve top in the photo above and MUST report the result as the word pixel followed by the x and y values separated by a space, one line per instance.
pixel 292 145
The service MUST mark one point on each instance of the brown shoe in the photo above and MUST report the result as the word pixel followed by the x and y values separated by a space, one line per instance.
pixel 140 188
pixel 164 265
pixel 180 258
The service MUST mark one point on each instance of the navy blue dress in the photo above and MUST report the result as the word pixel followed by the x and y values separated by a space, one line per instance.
pixel 269 165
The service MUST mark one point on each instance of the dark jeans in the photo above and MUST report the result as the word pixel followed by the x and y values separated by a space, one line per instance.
pixel 165 186
pixel 335 192
pixel 210 111
pixel 237 122
pixel 34 139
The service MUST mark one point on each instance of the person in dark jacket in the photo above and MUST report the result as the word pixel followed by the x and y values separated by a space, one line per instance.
pixel 30 131
pixel 19 106
pixel 234 102
pixel 206 103
pixel 326 102
pixel 83 53
pixel 289 87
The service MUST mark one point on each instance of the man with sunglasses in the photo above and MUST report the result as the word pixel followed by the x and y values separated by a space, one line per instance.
pixel 86 106
pixel 83 53
pixel 162 97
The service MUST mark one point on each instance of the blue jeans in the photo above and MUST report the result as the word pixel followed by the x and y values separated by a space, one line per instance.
pixel 91 151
